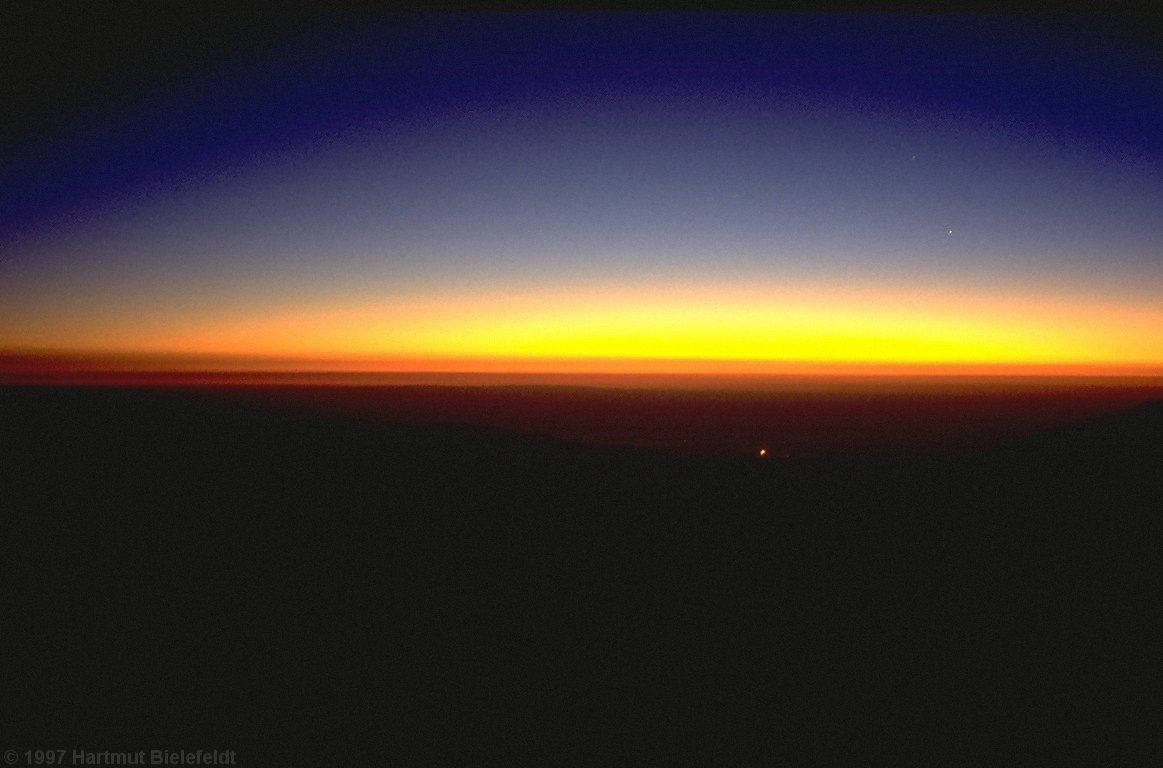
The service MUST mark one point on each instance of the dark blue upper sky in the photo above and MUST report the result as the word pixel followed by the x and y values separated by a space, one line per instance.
pixel 1051 81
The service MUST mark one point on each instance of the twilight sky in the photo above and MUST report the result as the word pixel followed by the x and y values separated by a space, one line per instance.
pixel 574 192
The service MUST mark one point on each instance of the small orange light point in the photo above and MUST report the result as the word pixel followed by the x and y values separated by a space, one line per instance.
pixel 762 451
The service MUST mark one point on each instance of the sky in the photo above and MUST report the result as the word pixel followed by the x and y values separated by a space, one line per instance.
pixel 654 193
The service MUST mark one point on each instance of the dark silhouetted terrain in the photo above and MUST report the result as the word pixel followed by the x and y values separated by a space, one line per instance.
pixel 797 416
pixel 188 570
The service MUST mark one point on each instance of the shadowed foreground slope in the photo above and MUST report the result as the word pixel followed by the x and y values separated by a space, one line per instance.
pixel 184 572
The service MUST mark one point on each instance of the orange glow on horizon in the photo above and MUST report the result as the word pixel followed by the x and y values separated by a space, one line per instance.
pixel 725 329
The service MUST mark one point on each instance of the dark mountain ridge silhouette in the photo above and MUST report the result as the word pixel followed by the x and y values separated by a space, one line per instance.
pixel 185 570
pixel 1129 436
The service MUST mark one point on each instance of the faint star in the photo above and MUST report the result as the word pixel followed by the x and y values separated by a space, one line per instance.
pixel 950 231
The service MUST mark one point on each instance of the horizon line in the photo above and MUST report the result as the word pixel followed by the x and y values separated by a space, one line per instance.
pixel 27 367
